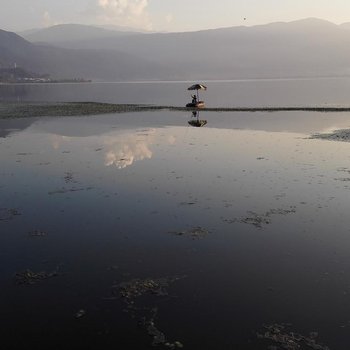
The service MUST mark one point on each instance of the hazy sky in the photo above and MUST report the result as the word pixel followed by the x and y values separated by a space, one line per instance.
pixel 166 15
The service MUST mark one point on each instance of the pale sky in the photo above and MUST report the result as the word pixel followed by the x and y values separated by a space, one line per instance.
pixel 166 15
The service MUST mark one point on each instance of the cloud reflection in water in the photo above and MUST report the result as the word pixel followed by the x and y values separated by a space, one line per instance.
pixel 124 150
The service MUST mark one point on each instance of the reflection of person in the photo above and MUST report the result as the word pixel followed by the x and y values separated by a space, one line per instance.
pixel 194 99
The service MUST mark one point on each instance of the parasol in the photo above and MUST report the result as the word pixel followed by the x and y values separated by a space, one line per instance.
pixel 197 87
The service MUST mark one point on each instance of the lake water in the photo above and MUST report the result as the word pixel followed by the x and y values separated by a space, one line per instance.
pixel 241 93
pixel 217 233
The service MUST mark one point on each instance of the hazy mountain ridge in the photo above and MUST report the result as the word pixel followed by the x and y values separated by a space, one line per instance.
pixel 71 33
pixel 304 48
pixel 73 63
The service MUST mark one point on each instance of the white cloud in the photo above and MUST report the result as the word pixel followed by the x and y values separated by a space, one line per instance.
pixel 127 148
pixel 125 155
pixel 130 13
pixel 169 18
pixel 47 20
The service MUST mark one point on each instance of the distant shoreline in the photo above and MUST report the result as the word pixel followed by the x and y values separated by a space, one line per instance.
pixel 10 110
pixel 35 82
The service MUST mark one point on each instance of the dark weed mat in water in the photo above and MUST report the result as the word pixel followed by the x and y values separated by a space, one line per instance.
pixel 132 291
pixel 69 178
pixel 7 214
pixel 337 135
pixel 27 110
pixel 65 109
pixel 194 233
pixel 280 338
pixel 344 171
pixel 37 233
pixel 67 190
pixel 261 220
pixel 30 277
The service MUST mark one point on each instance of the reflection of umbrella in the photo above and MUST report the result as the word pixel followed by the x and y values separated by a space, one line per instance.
pixel 197 123
pixel 197 87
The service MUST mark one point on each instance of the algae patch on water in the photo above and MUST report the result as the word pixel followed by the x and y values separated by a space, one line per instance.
pixel 31 277
pixel 263 219
pixel 342 135
pixel 8 213
pixel 194 233
pixel 147 312
pixel 282 338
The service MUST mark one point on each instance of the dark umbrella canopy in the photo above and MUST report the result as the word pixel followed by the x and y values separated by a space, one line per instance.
pixel 197 87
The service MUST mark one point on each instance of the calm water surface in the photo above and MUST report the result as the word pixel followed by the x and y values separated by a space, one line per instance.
pixel 240 93
pixel 109 199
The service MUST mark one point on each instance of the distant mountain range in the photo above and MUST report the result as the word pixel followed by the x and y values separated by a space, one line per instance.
pixel 73 32
pixel 305 48
pixel 63 63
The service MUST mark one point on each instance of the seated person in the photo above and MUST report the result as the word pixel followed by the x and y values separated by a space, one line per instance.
pixel 194 99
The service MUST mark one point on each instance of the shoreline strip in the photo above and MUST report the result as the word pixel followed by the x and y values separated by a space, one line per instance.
pixel 65 109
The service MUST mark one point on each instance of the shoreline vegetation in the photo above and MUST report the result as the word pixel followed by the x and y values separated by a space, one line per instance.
pixel 27 81
pixel 65 109
pixel 18 75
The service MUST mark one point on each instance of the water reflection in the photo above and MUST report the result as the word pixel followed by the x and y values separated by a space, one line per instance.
pixel 197 122
pixel 10 126
pixel 128 148
pixel 13 92
pixel 240 213
pixel 246 93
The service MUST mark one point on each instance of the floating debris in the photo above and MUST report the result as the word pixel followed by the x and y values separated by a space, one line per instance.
pixel 30 277
pixel 37 233
pixel 344 170
pixel 174 345
pixel 179 344
pixel 194 233
pixel 344 179
pixel 132 290
pixel 137 287
pixel 259 220
pixel 158 336
pixel 69 178
pixel 292 210
pixel 337 135
pixel 256 220
pixel 24 154
pixel 8 214
pixel 187 203
pixel 283 339
pixel 67 190
pixel 80 313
